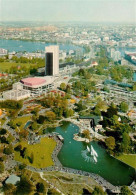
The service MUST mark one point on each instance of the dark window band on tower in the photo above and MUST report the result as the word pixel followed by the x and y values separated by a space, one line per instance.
pixel 49 63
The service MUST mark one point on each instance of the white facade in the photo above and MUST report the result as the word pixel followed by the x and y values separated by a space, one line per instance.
pixel 22 91
pixel 40 89
pixel 54 49
pixel 17 93
pixel 3 52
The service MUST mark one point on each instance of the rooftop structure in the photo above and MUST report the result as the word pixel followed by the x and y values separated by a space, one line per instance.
pixel 33 81
pixel 13 179
pixel 37 85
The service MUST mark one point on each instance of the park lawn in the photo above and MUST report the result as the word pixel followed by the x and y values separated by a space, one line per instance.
pixel 129 159
pixel 7 65
pixel 23 120
pixel 2 121
pixel 41 152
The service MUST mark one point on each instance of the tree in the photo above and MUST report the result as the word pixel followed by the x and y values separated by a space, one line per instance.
pixel 126 128
pixel 126 191
pixel 35 111
pixel 1 167
pixel 9 189
pixel 124 107
pixel 125 144
pixel 23 134
pixel 32 157
pixel 86 133
pixel 86 192
pixel 68 89
pixel 63 86
pixel 110 142
pixel 24 186
pixel 112 110
pixel 101 105
pixel 105 88
pixel 40 187
pixel 3 131
pixel 8 150
pixel 97 111
pixel 12 124
pixel 80 106
pixel 81 72
pixel 68 113
pixel 18 148
pixel 134 87
pixel 4 140
pixel 114 120
pixel 34 126
pixel 41 119
pixel 22 166
pixel 19 123
pixel 50 115
pixel 98 191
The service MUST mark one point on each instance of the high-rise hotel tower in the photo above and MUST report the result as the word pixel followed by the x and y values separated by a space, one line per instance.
pixel 52 60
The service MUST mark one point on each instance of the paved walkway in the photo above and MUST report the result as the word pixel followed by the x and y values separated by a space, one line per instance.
pixel 54 187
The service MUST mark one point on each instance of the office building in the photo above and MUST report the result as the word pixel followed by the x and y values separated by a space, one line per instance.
pixel 52 60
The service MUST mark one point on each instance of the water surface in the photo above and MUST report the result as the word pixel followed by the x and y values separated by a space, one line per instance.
pixel 109 168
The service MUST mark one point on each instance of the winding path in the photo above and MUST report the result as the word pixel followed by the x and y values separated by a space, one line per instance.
pixel 42 177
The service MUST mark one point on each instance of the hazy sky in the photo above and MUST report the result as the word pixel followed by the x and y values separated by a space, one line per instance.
pixel 68 10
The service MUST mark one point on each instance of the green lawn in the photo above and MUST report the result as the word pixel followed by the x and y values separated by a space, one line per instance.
pixel 42 153
pixel 23 120
pixel 2 121
pixel 8 65
pixel 129 159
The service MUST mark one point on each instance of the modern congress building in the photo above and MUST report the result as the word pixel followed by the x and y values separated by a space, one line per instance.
pixel 37 85
pixel 27 87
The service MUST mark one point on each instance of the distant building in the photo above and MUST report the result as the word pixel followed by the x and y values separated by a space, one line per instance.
pixel 94 63
pixel 52 60
pixel 12 179
pixel 3 75
pixel 3 52
pixel 115 55
pixel 106 39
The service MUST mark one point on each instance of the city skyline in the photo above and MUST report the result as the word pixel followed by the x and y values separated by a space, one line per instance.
pixel 69 11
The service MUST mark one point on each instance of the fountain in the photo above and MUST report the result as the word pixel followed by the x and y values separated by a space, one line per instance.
pixel 90 155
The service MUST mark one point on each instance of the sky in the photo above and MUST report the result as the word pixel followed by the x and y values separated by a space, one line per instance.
pixel 116 11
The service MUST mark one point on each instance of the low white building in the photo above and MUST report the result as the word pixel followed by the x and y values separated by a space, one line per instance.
pixel 17 93
pixel 32 86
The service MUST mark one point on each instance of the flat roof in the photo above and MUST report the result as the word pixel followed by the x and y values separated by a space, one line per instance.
pixel 32 81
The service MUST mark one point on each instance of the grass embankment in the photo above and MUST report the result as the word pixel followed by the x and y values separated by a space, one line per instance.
pixel 2 121
pixel 129 159
pixel 7 65
pixel 22 120
pixel 41 153
pixel 70 183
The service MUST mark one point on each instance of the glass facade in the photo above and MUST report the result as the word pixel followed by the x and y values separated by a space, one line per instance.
pixel 49 63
